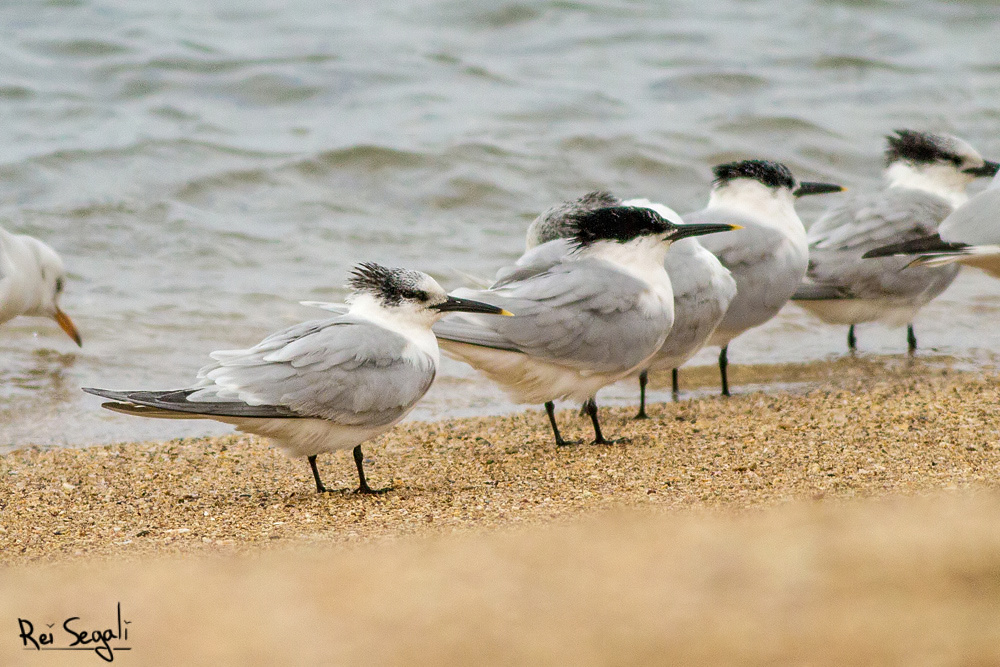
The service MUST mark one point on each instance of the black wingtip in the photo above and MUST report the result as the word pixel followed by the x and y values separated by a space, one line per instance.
pixel 105 393
pixel 932 243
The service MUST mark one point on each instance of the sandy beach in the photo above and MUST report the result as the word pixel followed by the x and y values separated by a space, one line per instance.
pixel 864 480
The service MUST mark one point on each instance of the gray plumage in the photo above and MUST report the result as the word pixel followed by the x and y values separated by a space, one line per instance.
pixel 327 384
pixel 346 370
pixel 702 287
pixel 970 236
pixel 582 314
pixel 703 292
pixel 859 224
pixel 765 261
pixel 926 175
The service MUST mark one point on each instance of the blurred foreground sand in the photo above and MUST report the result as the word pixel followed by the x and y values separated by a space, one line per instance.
pixel 857 520
pixel 892 581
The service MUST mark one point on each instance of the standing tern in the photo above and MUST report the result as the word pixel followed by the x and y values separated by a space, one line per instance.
pixel 592 311
pixel 702 287
pixel 926 176
pixel 970 236
pixel 32 278
pixel 703 292
pixel 768 258
pixel 327 384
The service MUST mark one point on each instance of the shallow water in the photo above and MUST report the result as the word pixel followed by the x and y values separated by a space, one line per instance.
pixel 202 167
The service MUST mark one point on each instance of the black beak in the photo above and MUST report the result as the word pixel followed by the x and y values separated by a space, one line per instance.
pixel 810 188
pixel 457 305
pixel 989 168
pixel 696 229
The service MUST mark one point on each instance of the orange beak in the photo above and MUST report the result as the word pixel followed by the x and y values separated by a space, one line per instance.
pixel 67 325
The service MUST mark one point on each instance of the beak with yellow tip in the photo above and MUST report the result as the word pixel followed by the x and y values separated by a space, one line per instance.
pixel 455 304
pixel 699 229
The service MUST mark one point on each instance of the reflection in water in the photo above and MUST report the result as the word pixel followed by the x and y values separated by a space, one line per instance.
pixel 31 391
pixel 45 377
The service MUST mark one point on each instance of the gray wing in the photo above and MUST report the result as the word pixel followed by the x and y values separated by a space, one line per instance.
pixel 582 314
pixel 865 222
pixel 703 290
pixel 838 241
pixel 534 261
pixel 347 370
pixel 738 249
pixel 753 255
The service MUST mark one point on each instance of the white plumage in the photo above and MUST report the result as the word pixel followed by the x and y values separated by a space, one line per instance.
pixel 327 384
pixel 588 313
pixel 926 177
pixel 32 278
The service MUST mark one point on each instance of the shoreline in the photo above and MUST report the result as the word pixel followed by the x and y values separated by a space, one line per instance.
pixel 914 427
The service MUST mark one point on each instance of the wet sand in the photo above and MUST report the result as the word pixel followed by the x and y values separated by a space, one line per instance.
pixel 835 509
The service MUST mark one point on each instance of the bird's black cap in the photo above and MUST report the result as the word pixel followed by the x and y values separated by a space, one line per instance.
pixel 771 174
pixel 920 148
pixel 391 286
pixel 615 223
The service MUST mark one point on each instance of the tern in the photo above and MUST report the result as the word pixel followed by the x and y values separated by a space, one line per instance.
pixel 32 278
pixel 702 287
pixel 970 236
pixel 926 175
pixel 590 310
pixel 323 385
pixel 768 257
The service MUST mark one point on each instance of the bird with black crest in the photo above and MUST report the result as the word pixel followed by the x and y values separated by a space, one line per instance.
pixel 323 385
pixel 584 318
pixel 702 287
pixel 768 257
pixel 926 175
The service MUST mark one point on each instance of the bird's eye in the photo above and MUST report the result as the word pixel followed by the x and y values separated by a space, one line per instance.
pixel 59 285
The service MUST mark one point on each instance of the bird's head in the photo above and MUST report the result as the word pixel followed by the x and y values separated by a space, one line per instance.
pixel 409 293
pixel 554 223
pixel 934 162
pixel 768 178
pixel 636 225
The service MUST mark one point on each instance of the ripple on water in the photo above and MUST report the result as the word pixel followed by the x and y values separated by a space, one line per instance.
pixel 861 63
pixel 267 89
pixel 16 93
pixel 79 48
pixel 759 124
pixel 369 158
pixel 700 84
pixel 469 191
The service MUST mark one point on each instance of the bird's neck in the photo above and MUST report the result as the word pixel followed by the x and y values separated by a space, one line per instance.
pixel 411 321
pixel 642 257
pixel 937 179
pixel 767 206
pixel 25 292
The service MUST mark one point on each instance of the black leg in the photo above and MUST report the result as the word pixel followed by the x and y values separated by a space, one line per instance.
pixel 723 365
pixel 591 406
pixel 852 341
pixel 550 408
pixel 359 461
pixel 911 339
pixel 319 483
pixel 675 384
pixel 643 380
